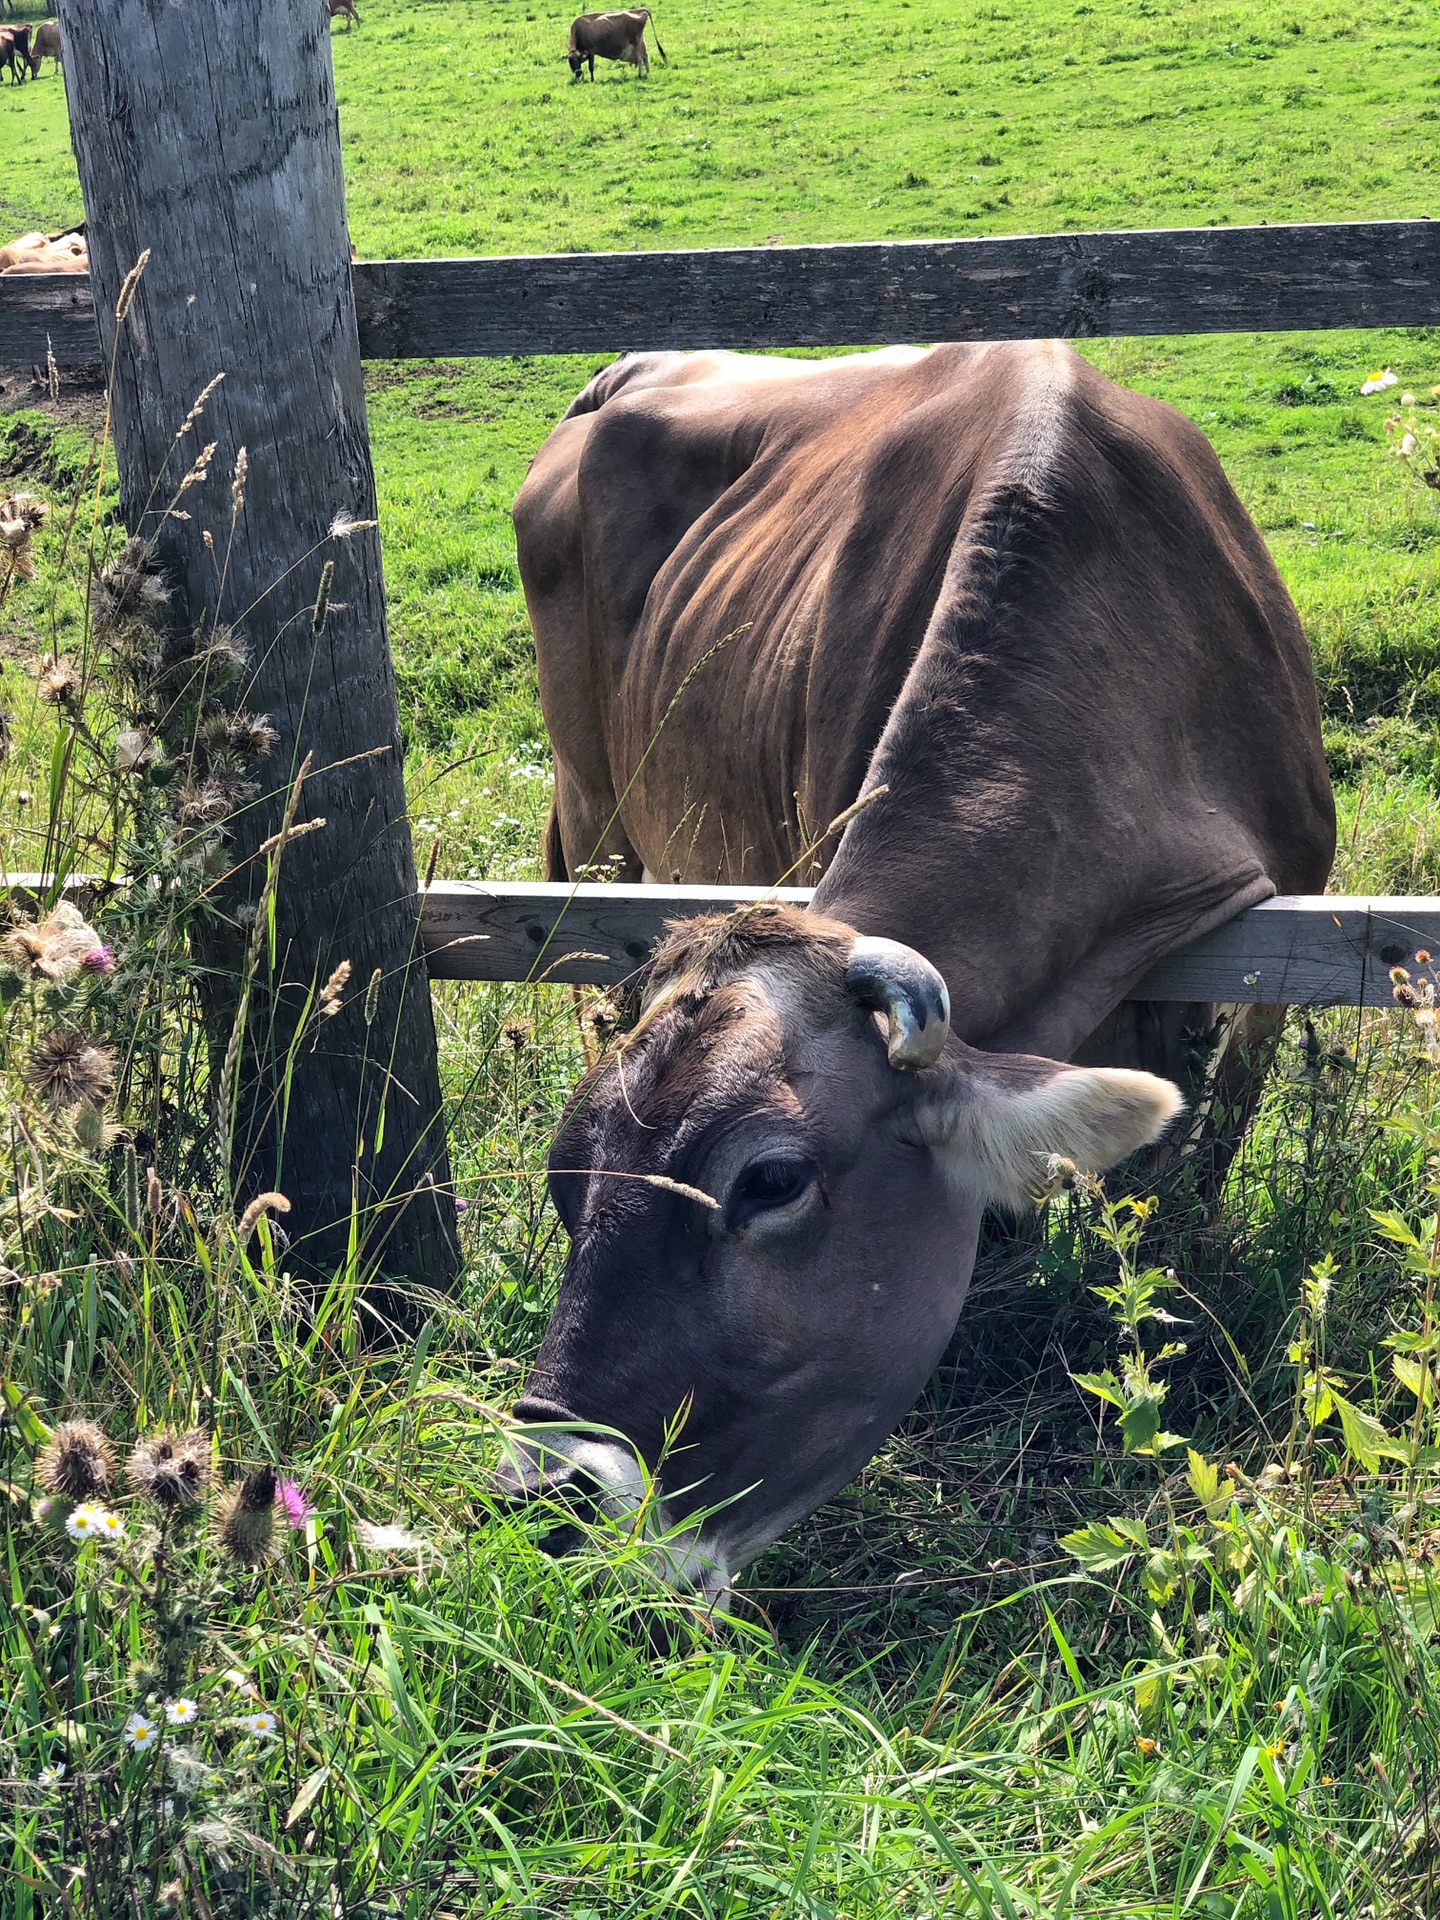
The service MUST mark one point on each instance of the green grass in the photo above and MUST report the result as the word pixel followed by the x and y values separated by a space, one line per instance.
pixel 927 1708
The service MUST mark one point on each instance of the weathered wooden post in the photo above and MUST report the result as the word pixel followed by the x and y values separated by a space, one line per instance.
pixel 207 133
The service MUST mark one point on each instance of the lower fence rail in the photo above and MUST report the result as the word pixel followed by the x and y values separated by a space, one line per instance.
pixel 1305 950
pixel 1313 950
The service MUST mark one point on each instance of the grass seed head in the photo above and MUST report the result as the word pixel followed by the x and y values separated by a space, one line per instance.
pixel 245 1519
pixel 172 1469
pixel 76 1461
pixel 332 994
pixel 67 1069
pixel 263 1203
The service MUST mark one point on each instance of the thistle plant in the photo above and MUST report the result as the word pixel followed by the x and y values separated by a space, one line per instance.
pixel 156 1784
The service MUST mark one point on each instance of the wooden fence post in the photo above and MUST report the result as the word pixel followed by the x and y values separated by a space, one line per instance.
pixel 207 133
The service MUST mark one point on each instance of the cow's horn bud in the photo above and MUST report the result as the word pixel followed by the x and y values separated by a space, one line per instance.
pixel 900 983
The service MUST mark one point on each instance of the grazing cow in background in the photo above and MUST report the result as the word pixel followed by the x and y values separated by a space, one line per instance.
pixel 45 46
pixel 1023 611
pixel 15 52
pixel 611 36
pixel 347 7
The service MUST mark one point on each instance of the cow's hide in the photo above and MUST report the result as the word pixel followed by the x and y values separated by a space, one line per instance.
pixel 1024 599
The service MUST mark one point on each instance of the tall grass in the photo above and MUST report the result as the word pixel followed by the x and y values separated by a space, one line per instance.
pixel 1055 1654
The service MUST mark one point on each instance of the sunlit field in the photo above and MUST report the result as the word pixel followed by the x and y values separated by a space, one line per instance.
pixel 1033 1662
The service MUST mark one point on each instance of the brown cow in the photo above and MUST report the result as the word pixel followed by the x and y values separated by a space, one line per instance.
pixel 1023 610
pixel 46 253
pixel 46 45
pixel 15 52
pixel 347 7
pixel 611 36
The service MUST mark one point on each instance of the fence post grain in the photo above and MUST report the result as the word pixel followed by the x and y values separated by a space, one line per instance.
pixel 207 133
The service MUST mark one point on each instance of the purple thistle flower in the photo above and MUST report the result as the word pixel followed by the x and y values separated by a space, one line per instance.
pixel 461 1205
pixel 292 1498
pixel 99 960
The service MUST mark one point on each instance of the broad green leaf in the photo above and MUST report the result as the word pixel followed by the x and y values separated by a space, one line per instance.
pixel 1140 1424
pixel 1103 1385
pixel 1106 1544
pixel 1365 1439
pixel 21 1409
pixel 1416 1375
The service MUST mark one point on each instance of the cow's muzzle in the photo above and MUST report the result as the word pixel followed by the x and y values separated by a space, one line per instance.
pixel 594 1476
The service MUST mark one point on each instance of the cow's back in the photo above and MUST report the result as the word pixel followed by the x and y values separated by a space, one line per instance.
pixel 1026 600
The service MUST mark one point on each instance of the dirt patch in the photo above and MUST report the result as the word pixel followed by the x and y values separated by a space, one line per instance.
pixel 81 399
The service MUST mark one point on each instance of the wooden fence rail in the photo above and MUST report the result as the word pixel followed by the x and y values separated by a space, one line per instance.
pixel 1373 273
pixel 1308 950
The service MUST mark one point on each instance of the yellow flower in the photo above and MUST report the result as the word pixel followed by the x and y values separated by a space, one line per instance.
pixel 1147 1747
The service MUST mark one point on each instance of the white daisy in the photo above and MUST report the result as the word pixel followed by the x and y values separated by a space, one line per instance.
pixel 182 1712
pixel 141 1732
pixel 51 1776
pixel 1379 380
pixel 84 1522
pixel 109 1527
pixel 263 1725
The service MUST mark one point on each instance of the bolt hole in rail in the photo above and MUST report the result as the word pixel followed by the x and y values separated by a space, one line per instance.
pixel 1312 950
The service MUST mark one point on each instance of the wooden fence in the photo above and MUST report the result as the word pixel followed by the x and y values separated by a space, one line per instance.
pixel 1310 950
pixel 1372 273
pixel 1383 273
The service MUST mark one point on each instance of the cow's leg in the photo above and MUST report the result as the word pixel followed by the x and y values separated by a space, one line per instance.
pixel 584 832
pixel 592 68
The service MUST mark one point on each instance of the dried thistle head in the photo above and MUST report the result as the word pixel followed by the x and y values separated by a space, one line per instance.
pixel 68 1069
pixel 60 684
pixel 220 654
pixel 57 947
pixel 249 735
pixel 20 515
pixel 27 508
pixel 212 800
pixel 135 750
pixel 76 1461
pixel 516 1032
pixel 245 1518
pixel 128 588
pixel 172 1469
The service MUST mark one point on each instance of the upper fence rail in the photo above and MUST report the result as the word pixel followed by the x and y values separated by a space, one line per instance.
pixel 1372 273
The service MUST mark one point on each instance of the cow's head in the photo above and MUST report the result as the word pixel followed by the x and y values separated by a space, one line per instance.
pixel 577 64
pixel 773 1190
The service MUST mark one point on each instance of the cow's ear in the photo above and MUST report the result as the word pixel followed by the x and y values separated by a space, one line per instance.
pixel 1001 1121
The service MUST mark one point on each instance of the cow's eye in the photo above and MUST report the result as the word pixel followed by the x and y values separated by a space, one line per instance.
pixel 768 1184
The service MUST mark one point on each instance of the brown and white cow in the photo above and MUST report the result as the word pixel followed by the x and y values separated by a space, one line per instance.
pixel 45 46
pixel 1025 607
pixel 611 36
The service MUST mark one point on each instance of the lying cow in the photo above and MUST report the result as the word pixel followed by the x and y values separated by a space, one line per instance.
pixel 15 52
pixel 46 253
pixel 1025 610
pixel 347 7
pixel 611 36
pixel 45 46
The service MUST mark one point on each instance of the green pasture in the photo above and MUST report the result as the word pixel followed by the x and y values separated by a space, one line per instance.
pixel 929 1705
